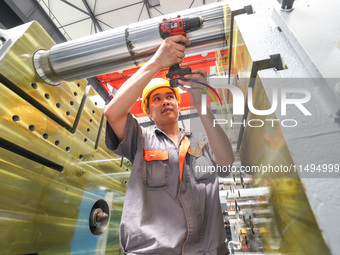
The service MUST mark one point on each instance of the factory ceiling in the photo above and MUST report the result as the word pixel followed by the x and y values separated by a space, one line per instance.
pixel 78 18
pixel 66 20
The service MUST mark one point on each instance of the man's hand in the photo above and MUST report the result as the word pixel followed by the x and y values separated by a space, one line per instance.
pixel 194 85
pixel 218 140
pixel 170 52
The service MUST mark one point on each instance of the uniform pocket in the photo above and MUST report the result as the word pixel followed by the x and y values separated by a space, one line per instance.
pixel 197 151
pixel 156 168
pixel 202 167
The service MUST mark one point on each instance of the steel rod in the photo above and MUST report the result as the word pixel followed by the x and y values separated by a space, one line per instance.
pixel 125 47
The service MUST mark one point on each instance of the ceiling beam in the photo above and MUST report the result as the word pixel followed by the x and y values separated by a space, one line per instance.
pixel 94 20
pixel 74 22
pixel 193 1
pixel 75 7
pixel 158 10
pixel 105 24
pixel 146 3
pixel 123 7
pixel 140 14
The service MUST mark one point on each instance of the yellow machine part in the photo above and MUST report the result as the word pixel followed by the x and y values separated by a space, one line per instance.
pixel 298 230
pixel 54 165
pixel 292 228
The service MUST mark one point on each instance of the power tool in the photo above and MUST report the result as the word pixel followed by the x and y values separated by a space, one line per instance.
pixel 178 26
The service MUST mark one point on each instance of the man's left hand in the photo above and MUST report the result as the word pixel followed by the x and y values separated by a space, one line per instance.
pixel 193 84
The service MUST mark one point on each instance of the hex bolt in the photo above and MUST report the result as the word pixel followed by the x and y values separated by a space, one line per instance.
pixel 99 216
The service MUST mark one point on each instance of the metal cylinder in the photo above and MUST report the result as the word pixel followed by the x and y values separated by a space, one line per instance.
pixel 125 47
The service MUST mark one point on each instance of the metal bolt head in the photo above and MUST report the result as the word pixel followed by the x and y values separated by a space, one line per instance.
pixel 99 216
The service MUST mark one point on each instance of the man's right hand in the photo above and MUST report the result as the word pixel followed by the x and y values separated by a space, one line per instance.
pixel 170 52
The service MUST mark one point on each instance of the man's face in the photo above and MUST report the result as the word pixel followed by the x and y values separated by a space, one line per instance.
pixel 163 106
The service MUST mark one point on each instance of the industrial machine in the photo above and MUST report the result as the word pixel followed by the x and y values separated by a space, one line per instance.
pixel 62 191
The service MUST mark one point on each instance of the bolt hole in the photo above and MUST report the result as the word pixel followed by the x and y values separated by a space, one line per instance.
pixel 47 96
pixel 88 130
pixel 57 105
pixel 57 142
pixel 34 85
pixel 75 93
pixel 31 127
pixel 67 149
pixel 95 103
pixel 16 118
pixel 45 135
pixel 91 120
pixel 81 156
pixel 93 112
pixel 71 103
pixel 68 113
pixel 78 85
pixel 85 140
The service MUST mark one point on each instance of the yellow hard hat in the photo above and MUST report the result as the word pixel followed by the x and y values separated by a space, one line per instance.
pixel 242 231
pixel 153 85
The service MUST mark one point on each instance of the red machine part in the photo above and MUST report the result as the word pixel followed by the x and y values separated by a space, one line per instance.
pixel 116 79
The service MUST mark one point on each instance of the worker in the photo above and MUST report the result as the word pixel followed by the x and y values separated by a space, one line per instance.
pixel 168 208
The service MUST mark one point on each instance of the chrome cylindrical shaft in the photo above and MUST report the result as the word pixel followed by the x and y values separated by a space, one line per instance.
pixel 125 47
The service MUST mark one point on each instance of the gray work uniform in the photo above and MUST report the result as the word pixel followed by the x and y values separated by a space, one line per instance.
pixel 160 214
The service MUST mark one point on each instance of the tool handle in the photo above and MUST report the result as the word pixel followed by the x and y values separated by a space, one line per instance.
pixel 177 73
